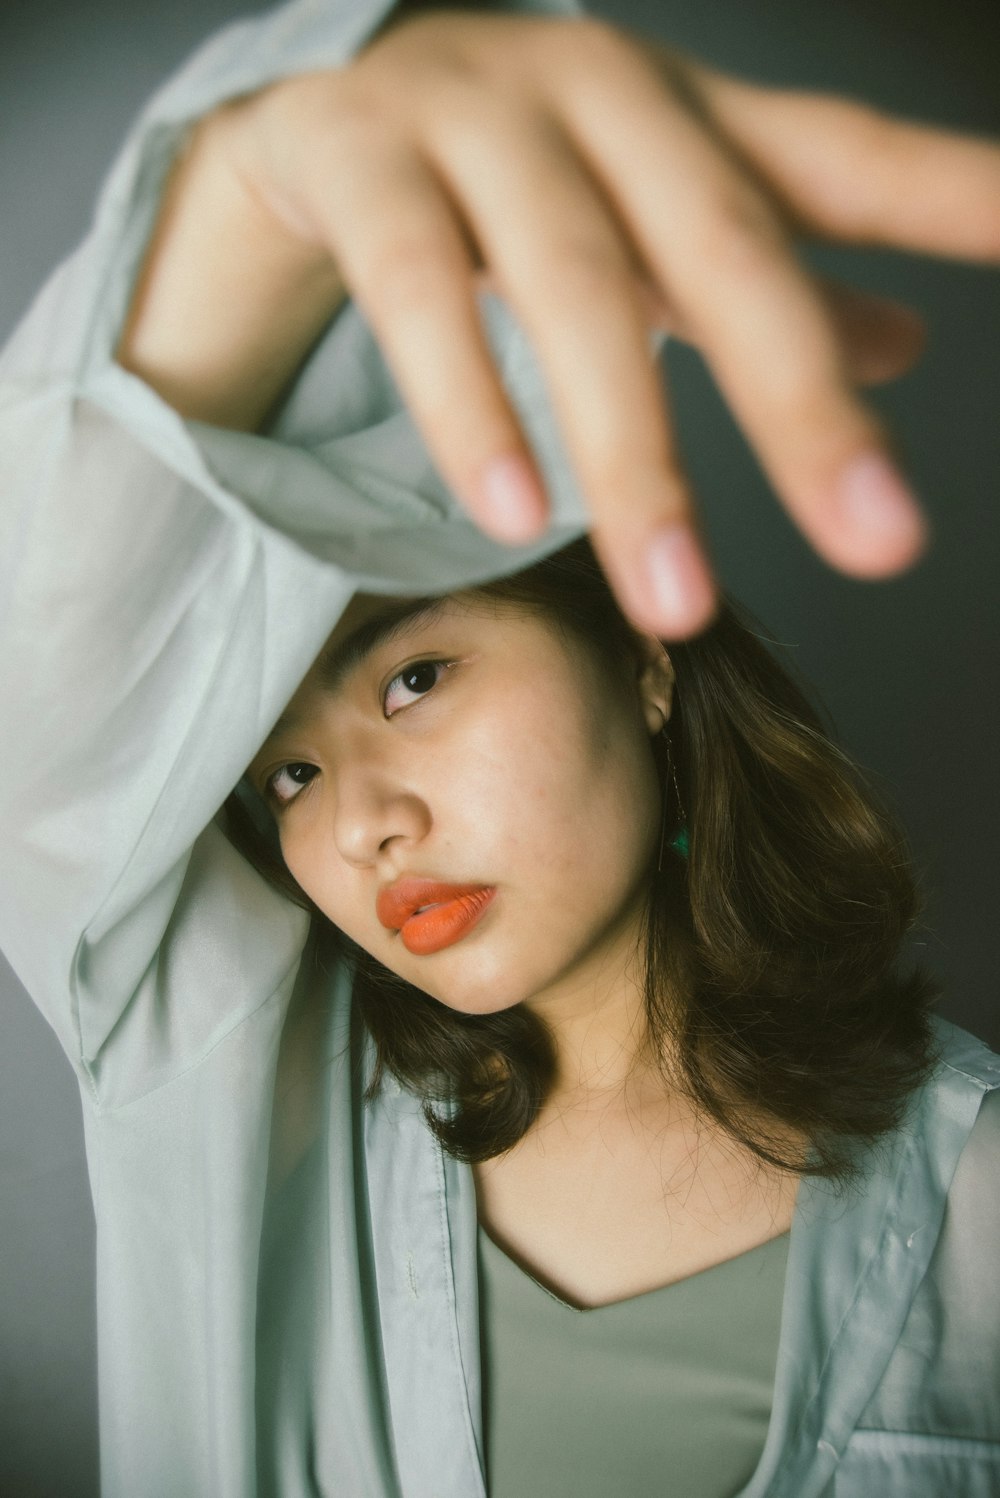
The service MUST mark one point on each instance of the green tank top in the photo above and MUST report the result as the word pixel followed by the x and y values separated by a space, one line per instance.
pixel 664 1392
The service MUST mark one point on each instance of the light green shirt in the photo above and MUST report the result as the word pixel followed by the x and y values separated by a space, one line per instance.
pixel 286 1278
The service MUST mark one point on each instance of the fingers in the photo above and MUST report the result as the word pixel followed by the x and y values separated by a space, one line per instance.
pixel 600 193
pixel 722 253
pixel 778 363
pixel 566 270
pixel 849 172
pixel 880 339
pixel 574 284
pixel 412 272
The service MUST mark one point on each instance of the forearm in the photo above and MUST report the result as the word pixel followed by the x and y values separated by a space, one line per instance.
pixel 229 301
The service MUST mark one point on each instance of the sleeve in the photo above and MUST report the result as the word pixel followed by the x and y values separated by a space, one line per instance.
pixel 933 1423
pixel 165 586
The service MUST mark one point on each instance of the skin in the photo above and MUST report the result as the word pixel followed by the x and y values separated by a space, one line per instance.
pixel 481 780
pixel 602 184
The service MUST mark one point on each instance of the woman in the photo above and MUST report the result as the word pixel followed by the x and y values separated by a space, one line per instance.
pixel 634 926
pixel 288 1280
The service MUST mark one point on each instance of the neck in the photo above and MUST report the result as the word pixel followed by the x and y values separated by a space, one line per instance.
pixel 597 1019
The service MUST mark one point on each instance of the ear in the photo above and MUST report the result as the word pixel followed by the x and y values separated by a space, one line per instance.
pixel 655 681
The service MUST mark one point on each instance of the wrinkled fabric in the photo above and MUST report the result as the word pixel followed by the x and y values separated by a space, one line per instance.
pixel 286 1276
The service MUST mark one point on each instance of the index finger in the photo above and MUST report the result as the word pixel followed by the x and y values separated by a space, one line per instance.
pixel 850 172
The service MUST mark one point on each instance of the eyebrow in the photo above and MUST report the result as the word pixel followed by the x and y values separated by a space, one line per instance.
pixel 336 662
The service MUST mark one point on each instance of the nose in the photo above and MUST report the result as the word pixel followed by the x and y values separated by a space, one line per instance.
pixel 375 809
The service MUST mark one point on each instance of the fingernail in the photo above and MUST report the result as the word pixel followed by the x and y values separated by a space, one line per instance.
pixel 680 587
pixel 511 502
pixel 875 500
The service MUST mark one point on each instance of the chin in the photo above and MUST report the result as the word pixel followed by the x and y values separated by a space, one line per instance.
pixel 479 1001
pixel 493 982
pixel 472 994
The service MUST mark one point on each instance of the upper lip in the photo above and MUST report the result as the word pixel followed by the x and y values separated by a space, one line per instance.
pixel 397 902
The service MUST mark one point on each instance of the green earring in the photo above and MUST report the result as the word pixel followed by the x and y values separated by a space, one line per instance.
pixel 680 842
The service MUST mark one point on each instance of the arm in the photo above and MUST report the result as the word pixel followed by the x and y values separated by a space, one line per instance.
pixel 463 150
pixel 157 613
pixel 175 578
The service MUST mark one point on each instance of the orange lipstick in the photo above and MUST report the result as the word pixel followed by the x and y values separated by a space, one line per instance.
pixel 429 915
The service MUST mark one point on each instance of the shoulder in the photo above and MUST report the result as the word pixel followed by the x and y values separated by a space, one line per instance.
pixel 947 1108
pixel 933 1422
pixel 974 1196
pixel 958 1115
pixel 964 1055
pixel 962 1279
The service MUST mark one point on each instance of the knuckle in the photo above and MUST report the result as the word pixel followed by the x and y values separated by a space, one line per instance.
pixel 601 40
pixel 798 405
pixel 475 116
pixel 803 379
pixel 592 47
pixel 639 488
pixel 804 396
pixel 316 109
pixel 409 273
pixel 741 238
pixel 462 447
pixel 576 274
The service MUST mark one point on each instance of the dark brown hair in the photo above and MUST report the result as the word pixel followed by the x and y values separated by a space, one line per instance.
pixel 773 994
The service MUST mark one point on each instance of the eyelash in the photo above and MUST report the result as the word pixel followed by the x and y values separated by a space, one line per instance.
pixel 270 783
pixel 408 671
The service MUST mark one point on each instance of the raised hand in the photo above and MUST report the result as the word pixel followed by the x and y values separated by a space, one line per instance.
pixel 601 184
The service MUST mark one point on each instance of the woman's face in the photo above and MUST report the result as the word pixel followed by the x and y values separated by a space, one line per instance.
pixel 480 747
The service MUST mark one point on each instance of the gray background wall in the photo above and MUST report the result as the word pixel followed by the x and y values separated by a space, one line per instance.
pixel 908 669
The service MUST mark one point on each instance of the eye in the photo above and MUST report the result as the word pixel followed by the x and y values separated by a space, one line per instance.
pixel 286 782
pixel 413 682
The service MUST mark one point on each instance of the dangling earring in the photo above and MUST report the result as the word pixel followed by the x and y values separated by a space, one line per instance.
pixel 679 842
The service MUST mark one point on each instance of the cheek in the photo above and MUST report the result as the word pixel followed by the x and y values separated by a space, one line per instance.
pixel 569 796
pixel 553 800
pixel 315 864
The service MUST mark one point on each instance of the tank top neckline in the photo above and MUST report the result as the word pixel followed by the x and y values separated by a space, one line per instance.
pixel 694 1281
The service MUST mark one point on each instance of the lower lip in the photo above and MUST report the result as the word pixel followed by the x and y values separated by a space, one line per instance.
pixel 441 926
